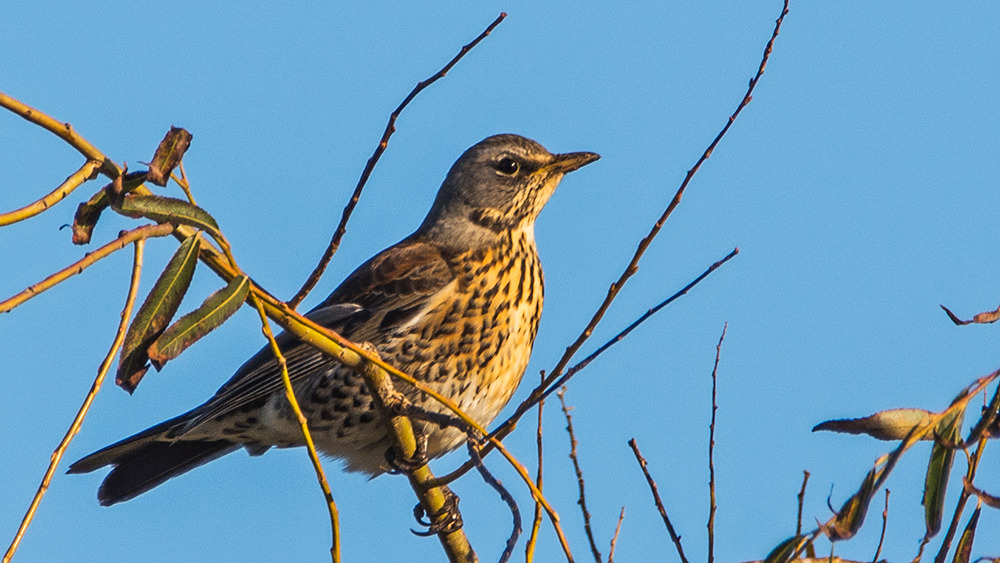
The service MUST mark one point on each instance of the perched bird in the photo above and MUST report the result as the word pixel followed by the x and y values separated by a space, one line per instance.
pixel 456 305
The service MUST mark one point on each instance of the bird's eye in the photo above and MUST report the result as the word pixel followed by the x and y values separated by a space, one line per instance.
pixel 508 166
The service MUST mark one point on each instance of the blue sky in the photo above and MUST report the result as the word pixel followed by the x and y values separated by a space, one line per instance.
pixel 860 186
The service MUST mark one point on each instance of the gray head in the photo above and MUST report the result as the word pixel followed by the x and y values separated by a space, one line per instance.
pixel 500 184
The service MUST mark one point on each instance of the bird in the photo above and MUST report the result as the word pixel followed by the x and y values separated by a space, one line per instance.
pixel 456 305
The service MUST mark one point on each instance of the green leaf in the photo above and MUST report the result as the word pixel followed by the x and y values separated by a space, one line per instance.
pixel 788 549
pixel 209 316
pixel 963 552
pixel 947 438
pixel 169 210
pixel 893 424
pixel 155 313
pixel 168 155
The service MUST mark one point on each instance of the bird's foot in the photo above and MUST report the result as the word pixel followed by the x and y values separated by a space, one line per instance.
pixel 399 465
pixel 445 521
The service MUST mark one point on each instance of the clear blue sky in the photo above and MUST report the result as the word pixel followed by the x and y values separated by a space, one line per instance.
pixel 860 186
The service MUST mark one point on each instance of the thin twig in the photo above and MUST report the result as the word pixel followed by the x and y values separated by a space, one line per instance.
pixel 62 130
pixel 390 128
pixel 508 425
pixel 124 239
pixel 711 451
pixel 885 520
pixel 579 476
pixel 614 538
pixel 505 495
pixel 656 498
pixel 802 498
pixel 633 265
pixel 310 446
pixel 536 523
pixel 82 413
pixel 75 180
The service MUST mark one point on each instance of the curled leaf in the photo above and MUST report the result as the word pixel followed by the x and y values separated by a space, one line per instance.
pixel 155 313
pixel 215 310
pixel 169 210
pixel 851 515
pixel 895 424
pixel 947 437
pixel 982 318
pixel 168 155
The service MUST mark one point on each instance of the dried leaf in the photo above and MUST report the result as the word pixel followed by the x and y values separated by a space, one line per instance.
pixel 209 316
pixel 982 318
pixel 787 550
pixel 963 552
pixel 168 155
pixel 893 424
pixel 88 213
pixel 169 210
pixel 947 436
pixel 987 420
pixel 852 514
pixel 155 313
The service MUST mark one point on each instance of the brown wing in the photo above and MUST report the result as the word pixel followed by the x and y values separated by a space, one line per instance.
pixel 388 290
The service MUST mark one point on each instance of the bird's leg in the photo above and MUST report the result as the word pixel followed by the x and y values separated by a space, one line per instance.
pixel 399 465
pixel 444 521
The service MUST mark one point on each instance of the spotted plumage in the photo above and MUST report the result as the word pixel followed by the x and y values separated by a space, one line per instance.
pixel 456 304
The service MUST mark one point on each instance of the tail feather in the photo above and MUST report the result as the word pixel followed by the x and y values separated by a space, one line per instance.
pixel 147 459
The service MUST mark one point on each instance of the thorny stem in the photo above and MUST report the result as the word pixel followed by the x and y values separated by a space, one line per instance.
pixel 390 128
pixel 82 413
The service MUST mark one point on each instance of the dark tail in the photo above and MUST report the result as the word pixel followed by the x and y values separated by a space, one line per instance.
pixel 147 459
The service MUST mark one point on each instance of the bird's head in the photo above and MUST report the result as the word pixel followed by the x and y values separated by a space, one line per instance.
pixel 499 184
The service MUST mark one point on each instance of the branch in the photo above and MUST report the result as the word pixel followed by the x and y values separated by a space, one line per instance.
pixel 390 128
pixel 75 180
pixel 656 498
pixel 579 477
pixel 711 452
pixel 82 413
pixel 124 239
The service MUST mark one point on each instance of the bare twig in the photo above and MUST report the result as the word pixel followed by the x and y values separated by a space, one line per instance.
pixel 885 520
pixel 82 413
pixel 74 181
pixel 633 265
pixel 579 476
pixel 802 498
pixel 62 130
pixel 508 425
pixel 307 436
pixel 536 523
pixel 390 128
pixel 614 538
pixel 711 451
pixel 656 498
pixel 505 495
pixel 124 239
